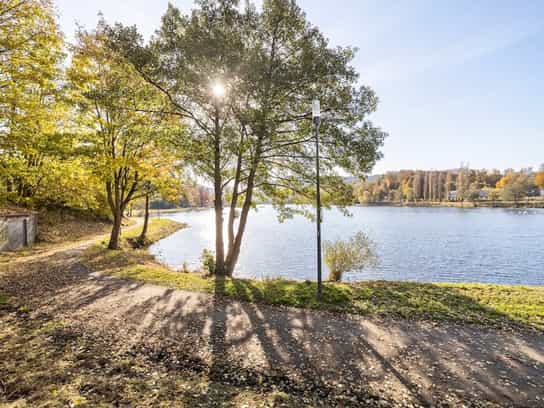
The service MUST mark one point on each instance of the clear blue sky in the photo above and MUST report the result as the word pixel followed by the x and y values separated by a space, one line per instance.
pixel 459 81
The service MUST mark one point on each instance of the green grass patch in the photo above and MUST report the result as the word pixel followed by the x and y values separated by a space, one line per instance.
pixel 3 300
pixel 468 303
pixel 496 305
pixel 157 230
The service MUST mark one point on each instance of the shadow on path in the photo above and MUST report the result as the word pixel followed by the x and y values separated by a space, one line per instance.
pixel 324 355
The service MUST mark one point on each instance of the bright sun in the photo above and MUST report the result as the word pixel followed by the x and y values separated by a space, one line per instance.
pixel 218 90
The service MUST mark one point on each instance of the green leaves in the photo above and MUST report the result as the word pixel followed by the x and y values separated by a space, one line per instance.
pixel 257 141
pixel 35 140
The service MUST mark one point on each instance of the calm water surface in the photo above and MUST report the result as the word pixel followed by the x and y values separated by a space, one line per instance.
pixel 414 244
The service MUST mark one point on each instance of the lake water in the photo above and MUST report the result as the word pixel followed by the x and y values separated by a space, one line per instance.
pixel 414 244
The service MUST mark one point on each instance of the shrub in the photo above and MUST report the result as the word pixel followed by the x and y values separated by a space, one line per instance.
pixel 356 253
pixel 208 261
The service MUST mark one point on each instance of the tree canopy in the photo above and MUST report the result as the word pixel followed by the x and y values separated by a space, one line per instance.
pixel 124 144
pixel 257 139
pixel 37 164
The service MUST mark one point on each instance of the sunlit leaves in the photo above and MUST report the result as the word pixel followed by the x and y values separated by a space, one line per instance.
pixel 37 163
pixel 122 127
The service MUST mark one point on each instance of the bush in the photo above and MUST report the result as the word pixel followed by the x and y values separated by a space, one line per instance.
pixel 356 253
pixel 208 261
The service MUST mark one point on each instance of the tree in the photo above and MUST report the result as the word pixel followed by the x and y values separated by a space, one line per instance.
pixel 124 145
pixel 418 185
pixel 448 184
pixel 257 140
pixel 440 186
pixel 514 186
pixel 165 186
pixel 507 178
pixel 539 180
pixel 39 164
pixel 473 192
pixel 426 186
pixel 463 182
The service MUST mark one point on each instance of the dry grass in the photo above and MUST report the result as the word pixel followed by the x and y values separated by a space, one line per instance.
pixel 68 225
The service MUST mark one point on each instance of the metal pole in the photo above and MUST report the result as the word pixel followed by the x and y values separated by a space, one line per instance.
pixel 318 221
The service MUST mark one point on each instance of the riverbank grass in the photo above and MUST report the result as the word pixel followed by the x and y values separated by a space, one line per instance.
pixel 157 230
pixel 494 305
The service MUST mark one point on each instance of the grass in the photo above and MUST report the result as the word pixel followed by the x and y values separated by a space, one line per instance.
pixel 467 303
pixel 157 230
pixel 496 305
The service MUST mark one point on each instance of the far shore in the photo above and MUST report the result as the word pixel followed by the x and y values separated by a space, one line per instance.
pixel 459 204
pixel 434 204
pixel 155 211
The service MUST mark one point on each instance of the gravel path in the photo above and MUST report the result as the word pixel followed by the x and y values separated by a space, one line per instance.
pixel 418 363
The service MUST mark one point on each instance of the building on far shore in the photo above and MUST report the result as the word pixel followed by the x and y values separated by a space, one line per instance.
pixel 452 195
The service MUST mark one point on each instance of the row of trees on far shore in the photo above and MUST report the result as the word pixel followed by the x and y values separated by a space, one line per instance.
pixel 463 184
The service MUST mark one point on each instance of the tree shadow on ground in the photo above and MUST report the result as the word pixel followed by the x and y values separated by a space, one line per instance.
pixel 325 356
pixel 472 359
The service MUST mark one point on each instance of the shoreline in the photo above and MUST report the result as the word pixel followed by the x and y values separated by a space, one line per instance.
pixel 459 204
pixel 421 204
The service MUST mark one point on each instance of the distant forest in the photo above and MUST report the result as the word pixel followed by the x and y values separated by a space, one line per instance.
pixel 192 195
pixel 463 184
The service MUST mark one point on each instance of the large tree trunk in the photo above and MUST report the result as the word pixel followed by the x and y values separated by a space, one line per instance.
pixel 116 229
pixel 141 239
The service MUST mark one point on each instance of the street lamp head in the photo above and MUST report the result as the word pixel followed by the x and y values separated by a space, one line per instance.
pixel 218 90
pixel 316 111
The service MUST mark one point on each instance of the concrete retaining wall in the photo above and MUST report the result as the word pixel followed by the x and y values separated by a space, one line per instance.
pixel 17 231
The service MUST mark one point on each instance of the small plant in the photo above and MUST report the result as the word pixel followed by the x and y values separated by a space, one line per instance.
pixel 208 261
pixel 25 309
pixel 358 252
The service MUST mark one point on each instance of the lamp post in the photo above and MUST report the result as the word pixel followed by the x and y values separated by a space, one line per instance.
pixel 316 118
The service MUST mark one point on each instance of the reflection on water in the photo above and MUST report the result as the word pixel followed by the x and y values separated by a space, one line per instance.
pixel 416 244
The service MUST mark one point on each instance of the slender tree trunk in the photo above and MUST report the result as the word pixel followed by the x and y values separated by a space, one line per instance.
pixel 234 252
pixel 218 202
pixel 141 239
pixel 234 200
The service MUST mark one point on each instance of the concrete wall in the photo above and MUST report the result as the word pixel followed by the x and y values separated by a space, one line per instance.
pixel 12 231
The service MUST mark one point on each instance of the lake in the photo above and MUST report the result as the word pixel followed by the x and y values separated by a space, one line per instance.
pixel 485 245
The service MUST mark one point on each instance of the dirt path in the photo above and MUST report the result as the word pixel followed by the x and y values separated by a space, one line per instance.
pixel 44 251
pixel 418 363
